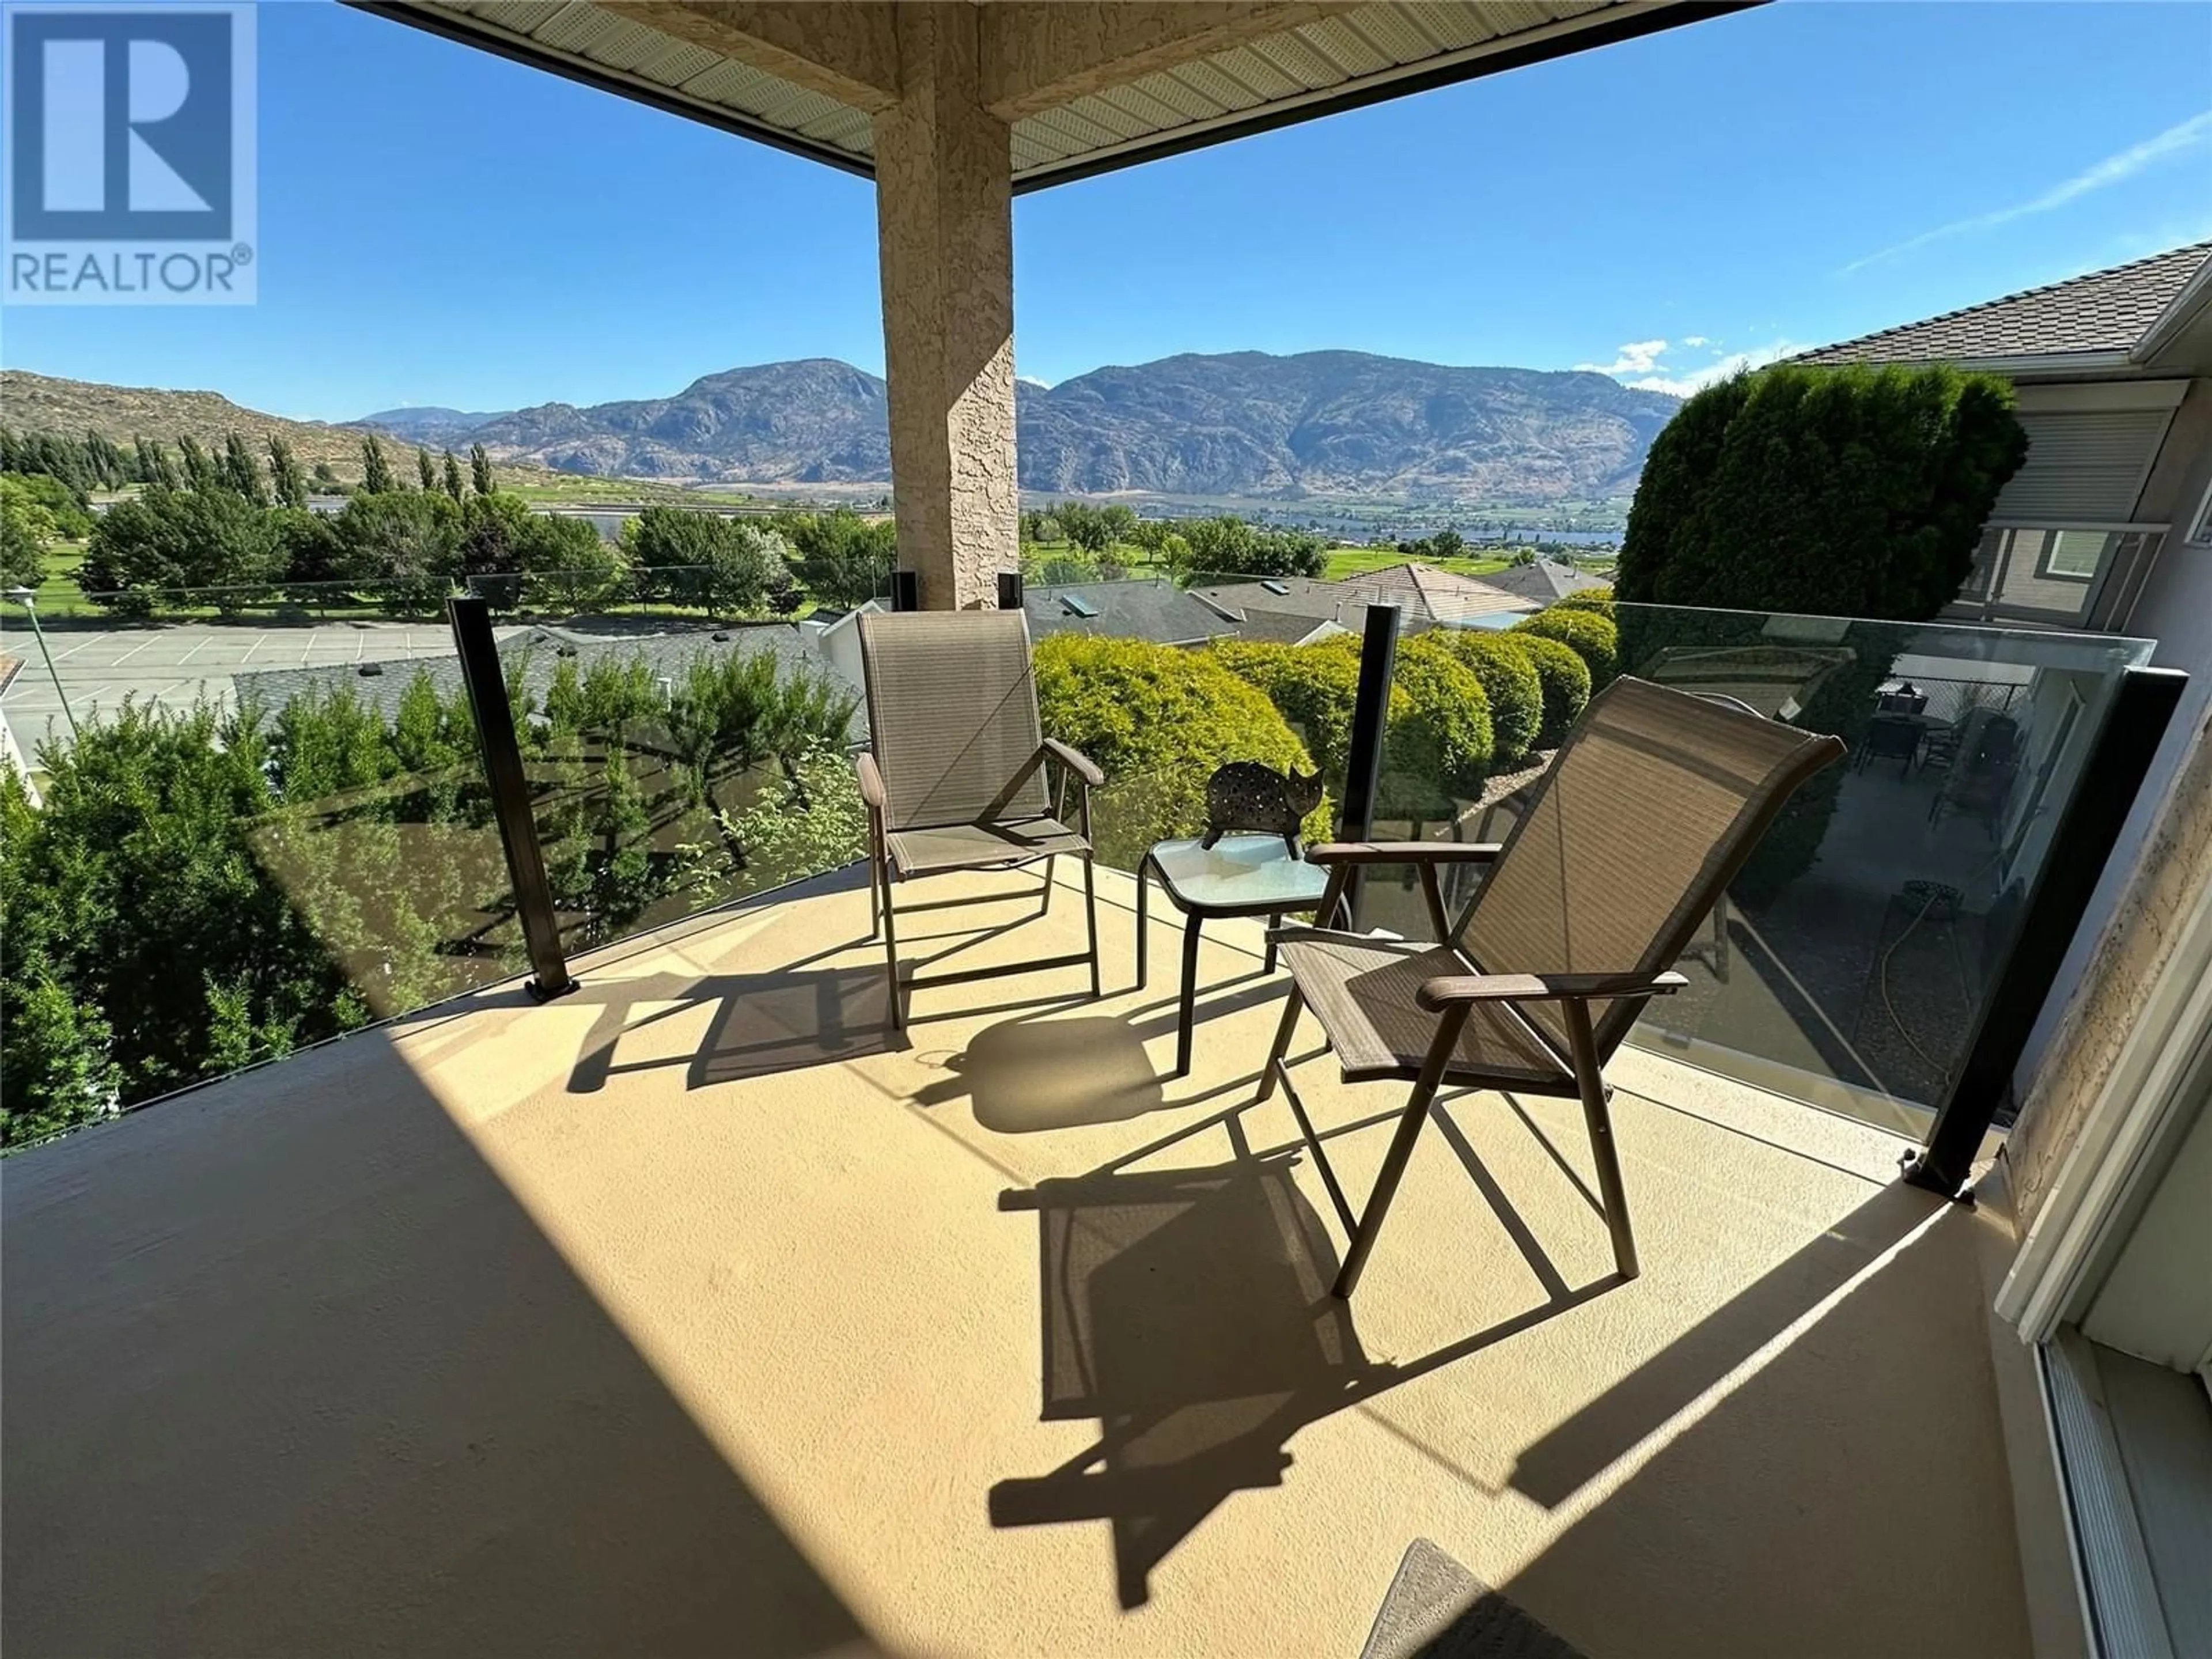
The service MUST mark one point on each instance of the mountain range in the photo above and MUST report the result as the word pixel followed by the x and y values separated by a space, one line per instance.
pixel 1318 425
pixel 1321 424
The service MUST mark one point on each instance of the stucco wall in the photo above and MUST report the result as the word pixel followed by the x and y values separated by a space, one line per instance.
pixel 2175 608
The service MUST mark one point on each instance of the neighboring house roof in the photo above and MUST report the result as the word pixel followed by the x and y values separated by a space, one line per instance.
pixel 1544 581
pixel 541 649
pixel 1288 608
pixel 1442 596
pixel 2107 313
pixel 1155 611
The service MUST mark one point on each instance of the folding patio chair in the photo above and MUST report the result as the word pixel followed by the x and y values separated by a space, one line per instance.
pixel 956 781
pixel 1649 810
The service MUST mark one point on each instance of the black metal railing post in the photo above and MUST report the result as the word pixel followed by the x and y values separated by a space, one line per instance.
pixel 1010 590
pixel 2081 845
pixel 1362 775
pixel 906 590
pixel 470 616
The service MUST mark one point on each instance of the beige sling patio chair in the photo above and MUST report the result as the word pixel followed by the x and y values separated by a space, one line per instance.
pixel 1650 807
pixel 957 780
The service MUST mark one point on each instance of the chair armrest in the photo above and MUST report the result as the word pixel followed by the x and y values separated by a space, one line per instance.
pixel 872 780
pixel 1076 762
pixel 1437 995
pixel 1404 851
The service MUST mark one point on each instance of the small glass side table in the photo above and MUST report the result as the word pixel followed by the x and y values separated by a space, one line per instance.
pixel 1238 876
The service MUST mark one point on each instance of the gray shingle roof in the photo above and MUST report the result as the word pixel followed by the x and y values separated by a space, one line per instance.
pixel 1439 595
pixel 1155 610
pixel 666 656
pixel 2105 311
pixel 1543 582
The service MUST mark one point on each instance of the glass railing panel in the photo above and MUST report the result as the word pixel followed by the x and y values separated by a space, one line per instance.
pixel 683 749
pixel 245 820
pixel 1851 958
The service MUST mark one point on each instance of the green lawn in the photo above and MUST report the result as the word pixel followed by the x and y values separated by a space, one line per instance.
pixel 1358 561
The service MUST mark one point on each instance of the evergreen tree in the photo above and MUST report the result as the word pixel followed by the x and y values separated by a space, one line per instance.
pixel 453 487
pixel 200 471
pixel 240 471
pixel 291 484
pixel 426 471
pixel 164 466
pixel 143 467
pixel 480 470
pixel 375 471
pixel 106 460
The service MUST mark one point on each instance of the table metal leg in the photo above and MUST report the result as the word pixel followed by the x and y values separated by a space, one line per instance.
pixel 1274 920
pixel 1189 995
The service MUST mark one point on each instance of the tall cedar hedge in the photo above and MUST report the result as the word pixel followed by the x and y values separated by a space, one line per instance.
pixel 1838 492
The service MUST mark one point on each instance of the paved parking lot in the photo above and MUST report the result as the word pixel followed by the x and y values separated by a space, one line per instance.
pixel 100 664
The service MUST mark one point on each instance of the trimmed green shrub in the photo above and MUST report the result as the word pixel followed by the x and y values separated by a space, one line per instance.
pixel 1593 638
pixel 1158 721
pixel 1509 681
pixel 1838 492
pixel 1600 599
pixel 1565 679
pixel 1439 749
pixel 1315 690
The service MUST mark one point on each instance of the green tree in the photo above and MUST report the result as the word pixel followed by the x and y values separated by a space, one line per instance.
pixel 840 557
pixel 375 471
pixel 284 475
pixel 426 471
pixel 63 510
pixel 480 470
pixel 1836 492
pixel 452 476
pixel 180 539
pixel 567 565
pixel 1447 543
pixel 199 469
pixel 239 472
pixel 27 530
pixel 731 566
pixel 405 544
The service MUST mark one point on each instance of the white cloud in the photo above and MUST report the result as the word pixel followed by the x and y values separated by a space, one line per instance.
pixel 1696 340
pixel 1681 382
pixel 2110 170
pixel 1637 357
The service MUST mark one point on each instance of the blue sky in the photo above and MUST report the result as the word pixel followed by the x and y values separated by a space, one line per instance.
pixel 441 227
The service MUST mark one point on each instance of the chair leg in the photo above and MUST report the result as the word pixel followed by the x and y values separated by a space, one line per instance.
pixel 1186 1008
pixel 1091 921
pixel 1282 1049
pixel 875 903
pixel 1401 1151
pixel 890 950
pixel 1583 1046
pixel 1044 908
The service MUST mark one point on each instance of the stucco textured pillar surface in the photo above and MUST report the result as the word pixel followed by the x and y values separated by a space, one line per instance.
pixel 944 215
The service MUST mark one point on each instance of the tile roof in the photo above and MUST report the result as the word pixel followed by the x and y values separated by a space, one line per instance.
pixel 2104 311
pixel 667 655
pixel 1437 595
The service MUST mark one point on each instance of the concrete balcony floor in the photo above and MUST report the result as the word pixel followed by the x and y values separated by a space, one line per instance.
pixel 697 1313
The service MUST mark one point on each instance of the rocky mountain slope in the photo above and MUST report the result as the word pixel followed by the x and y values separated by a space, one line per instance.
pixel 1328 423
pixel 45 403
pixel 1321 424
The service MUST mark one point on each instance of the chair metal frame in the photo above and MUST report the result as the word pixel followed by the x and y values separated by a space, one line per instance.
pixel 1454 998
pixel 883 869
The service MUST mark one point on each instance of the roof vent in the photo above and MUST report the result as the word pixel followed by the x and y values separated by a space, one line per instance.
pixel 1276 587
pixel 721 636
pixel 1076 605
pixel 370 669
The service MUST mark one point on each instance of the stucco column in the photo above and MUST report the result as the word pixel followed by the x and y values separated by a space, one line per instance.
pixel 944 226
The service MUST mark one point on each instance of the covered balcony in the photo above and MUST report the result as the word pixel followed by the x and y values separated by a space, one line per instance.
pixel 699 1312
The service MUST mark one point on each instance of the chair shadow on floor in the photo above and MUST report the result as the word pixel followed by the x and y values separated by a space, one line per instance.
pixel 1188 1310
